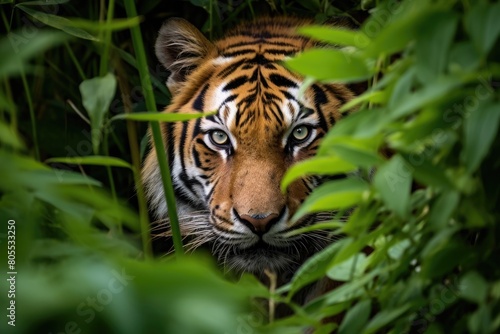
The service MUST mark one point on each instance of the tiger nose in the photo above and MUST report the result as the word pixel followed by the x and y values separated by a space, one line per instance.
pixel 259 223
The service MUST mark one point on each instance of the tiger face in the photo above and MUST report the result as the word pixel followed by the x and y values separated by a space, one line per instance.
pixel 227 168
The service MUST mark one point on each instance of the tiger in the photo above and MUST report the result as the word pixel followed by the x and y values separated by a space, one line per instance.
pixel 227 167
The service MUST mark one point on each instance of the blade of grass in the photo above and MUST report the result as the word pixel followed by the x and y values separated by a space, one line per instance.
pixel 160 117
pixel 156 131
pixel 91 160
pixel 32 115
pixel 134 149
pixel 103 69
pixel 107 40
pixel 75 61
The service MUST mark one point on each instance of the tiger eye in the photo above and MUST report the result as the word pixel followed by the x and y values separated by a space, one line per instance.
pixel 300 133
pixel 219 137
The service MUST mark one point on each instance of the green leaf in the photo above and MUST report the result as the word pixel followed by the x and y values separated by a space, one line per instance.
pixel 397 250
pixel 57 22
pixel 358 151
pixel 443 208
pixel 427 173
pixel 402 88
pixel 92 160
pixel 360 220
pixel 330 165
pixel 393 182
pixel 433 43
pixel 336 35
pixel 444 259
pixel 115 24
pixel 348 269
pixel 430 93
pixel 398 32
pixel 426 129
pixel 480 129
pixel 314 268
pixel 439 240
pixel 384 317
pixel 97 94
pixel 464 56
pixel 352 289
pixel 479 321
pixel 9 137
pixel 44 2
pixel 339 194
pixel 356 318
pixel 329 225
pixel 330 65
pixel 17 49
pixel 161 117
pixel 356 245
pixel 376 96
pixel 362 124
pixel 473 287
pixel 481 22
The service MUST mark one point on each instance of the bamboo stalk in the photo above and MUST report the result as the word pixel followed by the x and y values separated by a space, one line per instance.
pixel 156 131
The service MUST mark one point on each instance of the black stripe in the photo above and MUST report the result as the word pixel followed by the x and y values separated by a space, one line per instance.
pixel 235 83
pixel 180 194
pixel 238 53
pixel 231 68
pixel 270 96
pixel 230 98
pixel 182 142
pixel 209 195
pixel 237 118
pixel 259 59
pixel 336 92
pixel 196 128
pixel 281 52
pixel 319 95
pixel 263 36
pixel 189 183
pixel 249 119
pixel 320 99
pixel 276 113
pixel 281 81
pixel 288 95
pixel 305 112
pixel 199 102
pixel 258 41
pixel 170 144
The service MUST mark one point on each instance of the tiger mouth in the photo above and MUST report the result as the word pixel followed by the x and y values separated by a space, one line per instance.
pixel 276 251
pixel 262 255
pixel 261 247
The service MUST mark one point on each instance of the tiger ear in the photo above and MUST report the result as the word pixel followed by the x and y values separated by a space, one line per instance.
pixel 180 47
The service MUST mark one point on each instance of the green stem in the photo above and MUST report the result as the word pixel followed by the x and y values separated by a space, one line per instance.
pixel 12 107
pixel 103 69
pixel 107 40
pixel 136 160
pixel 32 114
pixel 156 131
pixel 108 168
pixel 75 61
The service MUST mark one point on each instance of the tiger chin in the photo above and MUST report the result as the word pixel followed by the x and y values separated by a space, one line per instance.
pixel 227 168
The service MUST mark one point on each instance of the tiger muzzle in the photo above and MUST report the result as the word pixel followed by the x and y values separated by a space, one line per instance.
pixel 259 223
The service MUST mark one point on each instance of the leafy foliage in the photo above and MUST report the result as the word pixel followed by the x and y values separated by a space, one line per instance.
pixel 420 151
